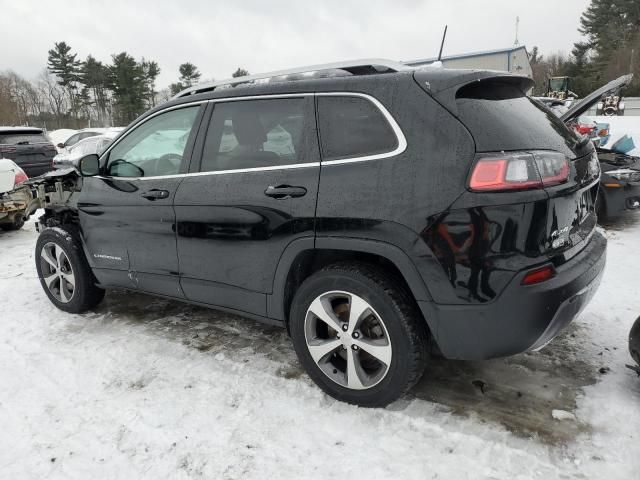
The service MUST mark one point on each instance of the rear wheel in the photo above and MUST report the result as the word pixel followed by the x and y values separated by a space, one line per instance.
pixel 64 272
pixel 359 337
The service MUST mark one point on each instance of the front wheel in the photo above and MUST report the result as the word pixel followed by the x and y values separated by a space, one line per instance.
pixel 64 272
pixel 358 335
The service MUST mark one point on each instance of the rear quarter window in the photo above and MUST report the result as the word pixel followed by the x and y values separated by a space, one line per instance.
pixel 352 127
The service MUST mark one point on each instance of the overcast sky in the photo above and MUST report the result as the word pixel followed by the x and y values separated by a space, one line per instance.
pixel 269 35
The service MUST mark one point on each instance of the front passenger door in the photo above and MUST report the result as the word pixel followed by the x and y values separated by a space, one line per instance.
pixel 127 214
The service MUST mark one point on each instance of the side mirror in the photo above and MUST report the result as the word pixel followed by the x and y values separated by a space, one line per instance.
pixel 60 145
pixel 89 165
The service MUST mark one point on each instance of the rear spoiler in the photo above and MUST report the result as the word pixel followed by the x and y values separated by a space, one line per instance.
pixel 443 84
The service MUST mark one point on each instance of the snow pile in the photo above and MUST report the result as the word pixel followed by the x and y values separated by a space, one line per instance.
pixel 145 388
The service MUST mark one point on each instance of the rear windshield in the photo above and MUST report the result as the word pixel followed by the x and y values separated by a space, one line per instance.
pixel 501 117
pixel 21 138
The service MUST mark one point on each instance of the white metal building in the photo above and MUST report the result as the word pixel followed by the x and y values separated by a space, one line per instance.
pixel 514 60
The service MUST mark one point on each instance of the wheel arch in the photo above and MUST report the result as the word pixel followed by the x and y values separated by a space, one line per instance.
pixel 303 257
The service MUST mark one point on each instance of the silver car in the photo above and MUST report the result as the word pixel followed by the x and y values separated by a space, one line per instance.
pixel 95 144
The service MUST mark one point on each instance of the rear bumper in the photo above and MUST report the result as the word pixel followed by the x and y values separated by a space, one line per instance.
pixel 523 317
pixel 617 200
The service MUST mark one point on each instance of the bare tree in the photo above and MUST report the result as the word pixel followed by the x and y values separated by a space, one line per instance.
pixel 53 96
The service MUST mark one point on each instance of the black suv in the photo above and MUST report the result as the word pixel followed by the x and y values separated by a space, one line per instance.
pixel 29 148
pixel 378 212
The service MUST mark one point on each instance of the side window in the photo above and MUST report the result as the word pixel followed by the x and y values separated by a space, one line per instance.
pixel 256 133
pixel 154 148
pixel 84 135
pixel 84 147
pixel 352 127
pixel 72 140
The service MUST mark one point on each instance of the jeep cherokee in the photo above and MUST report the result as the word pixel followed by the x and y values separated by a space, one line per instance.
pixel 378 212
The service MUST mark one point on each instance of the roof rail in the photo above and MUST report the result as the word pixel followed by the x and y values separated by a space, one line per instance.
pixel 355 67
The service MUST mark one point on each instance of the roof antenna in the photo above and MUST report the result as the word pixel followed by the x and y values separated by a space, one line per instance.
pixel 444 35
pixel 438 63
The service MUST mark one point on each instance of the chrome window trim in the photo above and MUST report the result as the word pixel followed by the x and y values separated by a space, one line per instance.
pixel 402 142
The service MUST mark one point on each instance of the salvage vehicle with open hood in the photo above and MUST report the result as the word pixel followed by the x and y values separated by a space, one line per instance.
pixel 620 181
pixel 376 211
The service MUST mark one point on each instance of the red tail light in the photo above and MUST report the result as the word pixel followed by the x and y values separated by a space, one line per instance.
pixel 584 129
pixel 539 275
pixel 507 171
pixel 20 177
pixel 7 149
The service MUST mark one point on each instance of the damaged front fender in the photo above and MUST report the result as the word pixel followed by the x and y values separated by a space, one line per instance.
pixel 57 189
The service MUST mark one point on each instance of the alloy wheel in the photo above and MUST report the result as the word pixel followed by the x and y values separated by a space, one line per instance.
pixel 348 340
pixel 57 272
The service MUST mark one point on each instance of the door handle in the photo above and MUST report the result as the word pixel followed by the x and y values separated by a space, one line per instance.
pixel 282 192
pixel 155 194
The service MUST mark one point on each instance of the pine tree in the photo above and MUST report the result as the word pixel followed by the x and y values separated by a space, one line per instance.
pixel 64 64
pixel 189 76
pixel 612 29
pixel 94 76
pixel 127 82
pixel 150 71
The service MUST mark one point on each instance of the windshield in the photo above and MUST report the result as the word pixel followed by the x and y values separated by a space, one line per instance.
pixel 559 84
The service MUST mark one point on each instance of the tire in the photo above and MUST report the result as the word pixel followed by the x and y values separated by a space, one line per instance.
pixel 634 341
pixel 17 224
pixel 390 322
pixel 64 272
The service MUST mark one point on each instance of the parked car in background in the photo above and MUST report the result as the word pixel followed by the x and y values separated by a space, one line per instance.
pixel 29 148
pixel 96 144
pixel 620 180
pixel 86 133
pixel 377 213
pixel 60 136
pixel 619 184
pixel 16 199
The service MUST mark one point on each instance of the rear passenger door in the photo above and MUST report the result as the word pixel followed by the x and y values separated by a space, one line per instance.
pixel 252 193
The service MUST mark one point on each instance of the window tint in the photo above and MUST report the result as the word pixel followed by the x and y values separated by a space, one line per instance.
pixel 353 127
pixel 24 138
pixel 84 135
pixel 84 147
pixel 154 148
pixel 72 140
pixel 501 117
pixel 256 133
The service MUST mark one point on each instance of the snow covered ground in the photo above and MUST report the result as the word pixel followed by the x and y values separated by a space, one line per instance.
pixel 146 388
